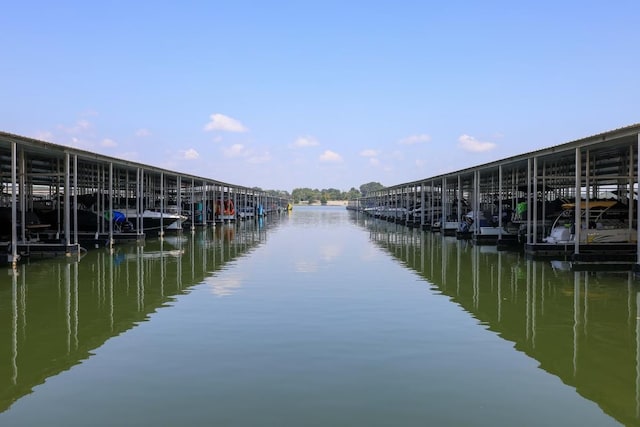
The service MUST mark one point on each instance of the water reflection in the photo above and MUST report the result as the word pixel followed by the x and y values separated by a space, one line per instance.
pixel 55 312
pixel 583 327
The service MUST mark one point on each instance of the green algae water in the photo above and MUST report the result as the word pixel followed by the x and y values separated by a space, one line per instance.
pixel 317 318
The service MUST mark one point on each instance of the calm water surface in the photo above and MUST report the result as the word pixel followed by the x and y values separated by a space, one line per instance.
pixel 319 318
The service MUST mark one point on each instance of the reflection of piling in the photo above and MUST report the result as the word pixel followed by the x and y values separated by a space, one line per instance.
pixel 574 324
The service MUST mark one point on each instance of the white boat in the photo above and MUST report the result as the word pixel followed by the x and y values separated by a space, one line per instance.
pixel 483 226
pixel 155 220
pixel 396 213
pixel 247 212
pixel 605 224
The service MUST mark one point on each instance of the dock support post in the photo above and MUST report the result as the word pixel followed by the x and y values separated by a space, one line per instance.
pixel 535 201
pixel 161 205
pixel 193 208
pixel 75 198
pixel 14 208
pixel 637 207
pixel 530 203
pixel 110 206
pixel 423 208
pixel 577 214
pixel 67 199
pixel 459 197
pixel 500 197
pixel 445 206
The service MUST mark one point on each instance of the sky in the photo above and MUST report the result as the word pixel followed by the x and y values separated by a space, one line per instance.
pixel 320 94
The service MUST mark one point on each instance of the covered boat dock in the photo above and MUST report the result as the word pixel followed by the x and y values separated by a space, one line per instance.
pixel 514 202
pixel 110 199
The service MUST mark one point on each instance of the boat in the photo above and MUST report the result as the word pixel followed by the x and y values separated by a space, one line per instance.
pixel 225 210
pixel 32 223
pixel 156 220
pixel 373 211
pixel 87 221
pixel 607 222
pixel 465 229
pixel 247 212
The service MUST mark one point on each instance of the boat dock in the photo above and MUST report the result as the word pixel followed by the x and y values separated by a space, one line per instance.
pixel 109 200
pixel 529 202
pixel 576 200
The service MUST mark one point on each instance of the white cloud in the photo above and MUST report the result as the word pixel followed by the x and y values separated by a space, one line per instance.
pixel 79 143
pixel 79 127
pixel 369 153
pixel 191 154
pixel 330 157
pixel 224 123
pixel 44 136
pixel 223 286
pixel 397 155
pixel 420 163
pixel 257 159
pixel 374 161
pixel 143 133
pixel 302 266
pixel 469 143
pixel 330 252
pixel 236 150
pixel 305 141
pixel 129 155
pixel 80 135
pixel 415 139
pixel 108 143
pixel 89 113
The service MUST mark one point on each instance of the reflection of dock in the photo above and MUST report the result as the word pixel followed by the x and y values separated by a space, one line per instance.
pixel 581 326
pixel 172 253
pixel 46 246
pixel 621 253
pixel 81 305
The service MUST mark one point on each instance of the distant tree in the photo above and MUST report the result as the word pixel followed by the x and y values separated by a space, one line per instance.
pixel 324 195
pixel 370 187
pixel 352 194
pixel 305 194
pixel 332 194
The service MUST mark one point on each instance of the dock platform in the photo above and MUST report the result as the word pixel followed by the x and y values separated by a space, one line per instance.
pixel 591 252
pixel 40 249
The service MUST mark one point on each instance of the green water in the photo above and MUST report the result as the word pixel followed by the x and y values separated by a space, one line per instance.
pixel 318 318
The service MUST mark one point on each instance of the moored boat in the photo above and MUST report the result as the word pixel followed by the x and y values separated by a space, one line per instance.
pixel 225 210
pixel 156 220
pixel 601 222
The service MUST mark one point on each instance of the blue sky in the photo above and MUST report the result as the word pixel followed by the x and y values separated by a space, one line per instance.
pixel 320 94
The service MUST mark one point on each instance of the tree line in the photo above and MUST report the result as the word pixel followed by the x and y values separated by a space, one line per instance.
pixel 312 195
